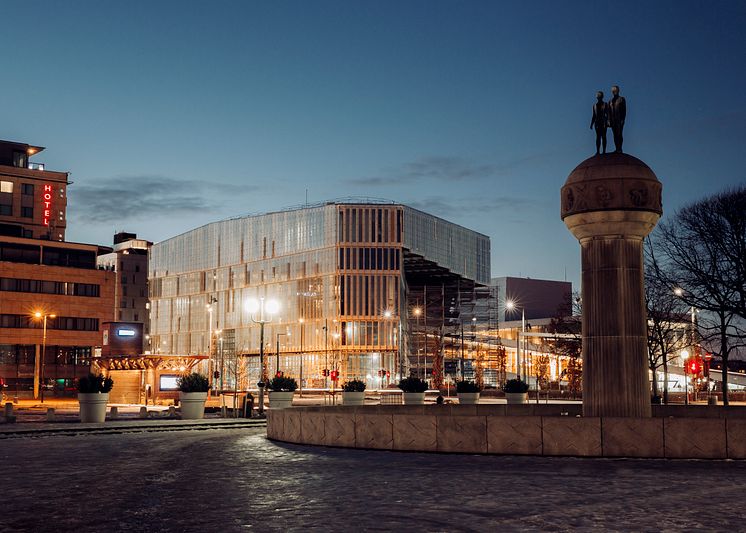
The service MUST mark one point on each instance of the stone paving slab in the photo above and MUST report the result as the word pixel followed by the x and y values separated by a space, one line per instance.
pixel 238 480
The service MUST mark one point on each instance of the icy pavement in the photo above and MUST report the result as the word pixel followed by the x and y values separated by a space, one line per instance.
pixel 236 480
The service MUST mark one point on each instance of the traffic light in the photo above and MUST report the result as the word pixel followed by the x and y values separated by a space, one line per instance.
pixel 216 374
pixel 279 374
pixel 694 367
pixel 325 372
pixel 335 375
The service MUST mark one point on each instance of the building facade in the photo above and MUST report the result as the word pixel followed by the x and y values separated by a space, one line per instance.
pixel 343 274
pixel 33 201
pixel 44 281
pixel 129 262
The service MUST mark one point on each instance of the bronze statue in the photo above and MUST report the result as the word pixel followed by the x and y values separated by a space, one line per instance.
pixel 617 115
pixel 600 120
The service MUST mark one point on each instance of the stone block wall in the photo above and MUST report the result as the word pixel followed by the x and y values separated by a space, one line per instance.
pixel 496 429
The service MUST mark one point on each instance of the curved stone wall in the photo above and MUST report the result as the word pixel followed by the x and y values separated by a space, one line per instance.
pixel 514 430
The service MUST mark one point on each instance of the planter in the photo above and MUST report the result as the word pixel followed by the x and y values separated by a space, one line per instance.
pixel 353 398
pixel 280 400
pixel 93 406
pixel 516 397
pixel 468 398
pixel 192 405
pixel 413 398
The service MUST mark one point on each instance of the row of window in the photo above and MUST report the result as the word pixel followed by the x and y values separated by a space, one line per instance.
pixel 38 286
pixel 25 354
pixel 66 323
pixel 368 295
pixel 30 254
pixel 366 224
pixel 369 258
pixel 26 188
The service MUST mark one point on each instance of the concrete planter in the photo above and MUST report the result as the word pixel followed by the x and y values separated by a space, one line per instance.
pixel 280 400
pixel 413 398
pixel 192 405
pixel 516 397
pixel 468 398
pixel 93 406
pixel 353 398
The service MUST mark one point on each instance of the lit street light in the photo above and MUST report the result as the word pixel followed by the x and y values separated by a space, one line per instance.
pixel 510 305
pixel 261 313
pixel 39 374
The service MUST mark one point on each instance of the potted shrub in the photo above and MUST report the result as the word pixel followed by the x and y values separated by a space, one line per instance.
pixel 516 391
pixel 413 390
pixel 353 392
pixel 281 391
pixel 193 390
pixel 93 395
pixel 468 392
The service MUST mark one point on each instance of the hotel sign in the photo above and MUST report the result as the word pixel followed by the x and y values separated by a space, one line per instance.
pixel 47 200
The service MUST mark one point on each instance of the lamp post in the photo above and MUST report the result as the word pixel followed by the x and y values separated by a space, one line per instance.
pixel 261 313
pixel 302 327
pixel 277 356
pixel 510 305
pixel 210 300
pixel 418 313
pixel 326 353
pixel 41 367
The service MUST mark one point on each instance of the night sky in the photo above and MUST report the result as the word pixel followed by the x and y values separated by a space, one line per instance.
pixel 170 115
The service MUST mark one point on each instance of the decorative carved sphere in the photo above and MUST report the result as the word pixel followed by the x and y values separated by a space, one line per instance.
pixel 611 182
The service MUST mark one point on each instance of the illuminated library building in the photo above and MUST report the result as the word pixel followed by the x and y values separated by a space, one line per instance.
pixel 372 290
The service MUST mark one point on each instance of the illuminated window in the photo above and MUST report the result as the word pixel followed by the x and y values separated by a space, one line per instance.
pixel 6 186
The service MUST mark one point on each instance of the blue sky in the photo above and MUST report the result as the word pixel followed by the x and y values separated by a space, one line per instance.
pixel 173 114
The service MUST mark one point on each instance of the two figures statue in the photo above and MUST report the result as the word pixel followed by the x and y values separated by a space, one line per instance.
pixel 609 114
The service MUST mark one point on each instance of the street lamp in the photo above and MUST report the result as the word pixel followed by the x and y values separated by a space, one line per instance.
pixel 417 311
pixel 41 367
pixel 510 305
pixel 302 327
pixel 210 300
pixel 277 360
pixel 261 313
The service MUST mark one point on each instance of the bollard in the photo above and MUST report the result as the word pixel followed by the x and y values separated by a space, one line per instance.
pixel 171 411
pixel 143 412
pixel 50 414
pixel 224 411
pixel 114 413
pixel 8 409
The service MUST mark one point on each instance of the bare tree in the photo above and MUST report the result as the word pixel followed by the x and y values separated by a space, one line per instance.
pixel 700 253
pixel 568 322
pixel 665 315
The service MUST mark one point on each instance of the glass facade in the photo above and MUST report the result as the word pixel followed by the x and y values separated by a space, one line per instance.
pixel 337 271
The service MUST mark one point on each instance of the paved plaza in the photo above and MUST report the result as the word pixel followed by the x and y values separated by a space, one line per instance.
pixel 237 480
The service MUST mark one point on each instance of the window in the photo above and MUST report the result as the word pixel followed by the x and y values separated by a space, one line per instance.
pixel 6 210
pixel 27 212
pixel 20 159
pixel 6 186
pixel 27 189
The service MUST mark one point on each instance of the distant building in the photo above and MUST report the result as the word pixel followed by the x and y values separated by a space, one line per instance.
pixel 42 275
pixel 33 201
pixel 359 284
pixel 538 298
pixel 129 260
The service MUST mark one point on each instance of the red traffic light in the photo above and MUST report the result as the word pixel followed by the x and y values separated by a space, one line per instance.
pixel 693 367
pixel 335 375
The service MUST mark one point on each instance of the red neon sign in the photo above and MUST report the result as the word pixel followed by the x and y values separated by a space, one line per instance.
pixel 47 203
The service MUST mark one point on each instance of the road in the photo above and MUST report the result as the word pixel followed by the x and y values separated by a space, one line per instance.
pixel 236 480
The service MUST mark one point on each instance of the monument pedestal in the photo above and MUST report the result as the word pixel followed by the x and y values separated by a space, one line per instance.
pixel 610 203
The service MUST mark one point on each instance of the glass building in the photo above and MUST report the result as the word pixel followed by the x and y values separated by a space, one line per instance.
pixel 349 279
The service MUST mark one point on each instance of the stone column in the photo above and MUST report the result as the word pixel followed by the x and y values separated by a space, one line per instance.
pixel 610 203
